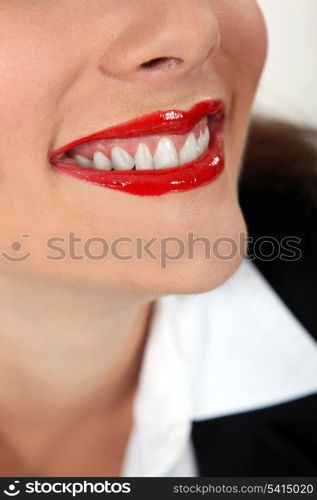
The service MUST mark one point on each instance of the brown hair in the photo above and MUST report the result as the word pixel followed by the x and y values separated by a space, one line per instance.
pixel 282 155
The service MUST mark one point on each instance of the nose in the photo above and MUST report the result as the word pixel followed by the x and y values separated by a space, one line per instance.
pixel 172 37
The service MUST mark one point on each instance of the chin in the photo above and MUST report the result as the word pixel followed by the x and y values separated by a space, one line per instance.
pixel 200 273
pixel 200 277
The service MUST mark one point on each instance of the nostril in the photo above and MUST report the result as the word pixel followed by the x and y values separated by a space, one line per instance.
pixel 161 63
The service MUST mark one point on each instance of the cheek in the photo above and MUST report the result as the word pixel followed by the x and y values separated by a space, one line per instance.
pixel 240 63
pixel 34 74
pixel 243 35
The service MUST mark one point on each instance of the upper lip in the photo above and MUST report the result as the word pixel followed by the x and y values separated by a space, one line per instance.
pixel 172 121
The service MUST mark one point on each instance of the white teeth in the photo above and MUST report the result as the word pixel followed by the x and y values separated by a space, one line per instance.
pixel 206 137
pixel 121 159
pixel 101 162
pixel 165 155
pixel 200 144
pixel 188 152
pixel 143 159
pixel 203 141
pixel 82 161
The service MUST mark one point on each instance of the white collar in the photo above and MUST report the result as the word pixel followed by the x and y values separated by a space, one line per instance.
pixel 231 350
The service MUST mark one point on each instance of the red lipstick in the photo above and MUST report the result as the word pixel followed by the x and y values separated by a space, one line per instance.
pixel 205 169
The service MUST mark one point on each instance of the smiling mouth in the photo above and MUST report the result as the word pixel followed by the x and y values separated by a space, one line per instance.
pixel 164 152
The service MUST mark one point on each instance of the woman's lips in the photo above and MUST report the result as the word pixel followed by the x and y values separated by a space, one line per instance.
pixel 167 151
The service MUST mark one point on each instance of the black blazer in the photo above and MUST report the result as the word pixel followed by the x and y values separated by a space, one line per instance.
pixel 280 440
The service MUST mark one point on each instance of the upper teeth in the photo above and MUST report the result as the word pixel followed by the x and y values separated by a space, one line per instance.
pixel 101 162
pixel 189 151
pixel 165 156
pixel 84 162
pixel 121 160
pixel 203 140
pixel 143 159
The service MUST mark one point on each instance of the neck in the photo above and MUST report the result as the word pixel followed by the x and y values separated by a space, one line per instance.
pixel 63 351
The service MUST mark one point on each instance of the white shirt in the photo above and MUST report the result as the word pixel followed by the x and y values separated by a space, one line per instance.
pixel 234 349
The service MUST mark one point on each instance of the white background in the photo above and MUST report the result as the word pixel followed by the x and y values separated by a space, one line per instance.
pixel 289 84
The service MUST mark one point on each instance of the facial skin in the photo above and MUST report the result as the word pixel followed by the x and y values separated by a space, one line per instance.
pixel 69 68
